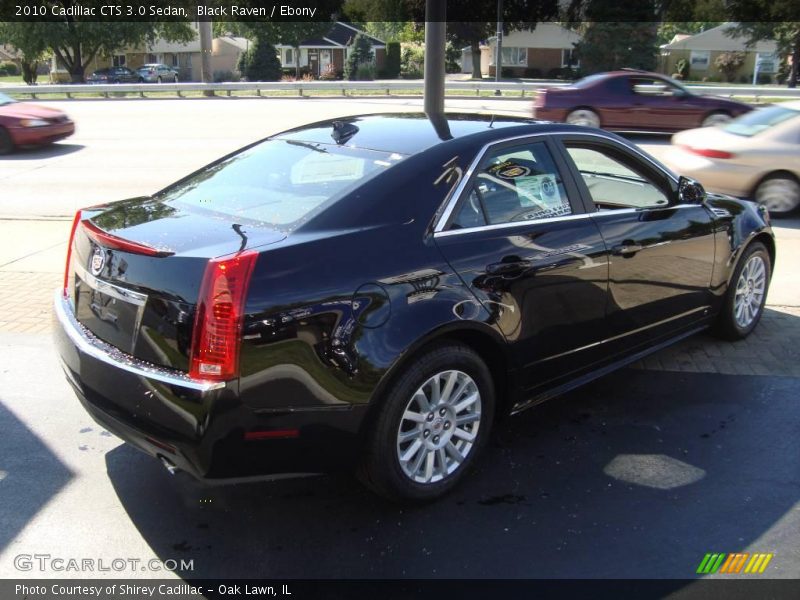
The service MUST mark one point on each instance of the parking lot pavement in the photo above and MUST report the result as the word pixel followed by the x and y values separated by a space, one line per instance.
pixel 638 475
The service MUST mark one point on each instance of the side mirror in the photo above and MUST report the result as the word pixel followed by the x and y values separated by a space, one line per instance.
pixel 690 191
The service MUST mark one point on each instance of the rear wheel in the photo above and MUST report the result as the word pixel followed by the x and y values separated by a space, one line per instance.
pixel 779 193
pixel 715 118
pixel 747 294
pixel 433 424
pixel 585 117
pixel 6 143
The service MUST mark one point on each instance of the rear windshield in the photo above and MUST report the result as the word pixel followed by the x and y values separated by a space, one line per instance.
pixel 590 80
pixel 755 122
pixel 6 100
pixel 279 182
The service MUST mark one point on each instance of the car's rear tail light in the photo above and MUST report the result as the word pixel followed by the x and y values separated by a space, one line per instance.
pixel 117 243
pixel 68 267
pixel 218 320
pixel 709 153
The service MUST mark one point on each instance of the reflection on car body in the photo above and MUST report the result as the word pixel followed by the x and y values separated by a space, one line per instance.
pixel 319 301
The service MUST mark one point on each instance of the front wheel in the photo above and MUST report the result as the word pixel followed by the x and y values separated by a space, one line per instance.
pixel 715 119
pixel 433 424
pixel 779 193
pixel 585 117
pixel 747 294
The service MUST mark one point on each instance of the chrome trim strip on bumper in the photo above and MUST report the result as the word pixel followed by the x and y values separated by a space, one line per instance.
pixel 109 289
pixel 92 346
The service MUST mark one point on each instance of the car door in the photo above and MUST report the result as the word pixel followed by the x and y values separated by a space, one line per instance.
pixel 661 251
pixel 659 105
pixel 517 234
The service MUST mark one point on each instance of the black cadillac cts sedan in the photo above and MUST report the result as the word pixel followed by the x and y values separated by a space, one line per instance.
pixel 373 292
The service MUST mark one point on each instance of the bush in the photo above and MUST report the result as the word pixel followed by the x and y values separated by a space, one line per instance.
pixel 260 62
pixel 360 55
pixel 330 73
pixel 8 68
pixel 729 63
pixel 391 69
pixel 764 78
pixel 412 62
pixel 365 72
pixel 555 73
pixel 225 76
pixel 682 67
pixel 533 73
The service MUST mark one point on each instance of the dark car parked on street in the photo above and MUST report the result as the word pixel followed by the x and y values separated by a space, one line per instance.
pixel 113 75
pixel 631 100
pixel 374 291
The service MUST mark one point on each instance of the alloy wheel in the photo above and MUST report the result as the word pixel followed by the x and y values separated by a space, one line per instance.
pixel 584 117
pixel 715 119
pixel 439 427
pixel 750 290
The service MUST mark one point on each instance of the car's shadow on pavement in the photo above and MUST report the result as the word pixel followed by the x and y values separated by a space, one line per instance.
pixel 637 475
pixel 40 152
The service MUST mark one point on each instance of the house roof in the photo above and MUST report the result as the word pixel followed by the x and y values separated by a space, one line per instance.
pixel 718 39
pixel 340 35
pixel 239 42
pixel 545 35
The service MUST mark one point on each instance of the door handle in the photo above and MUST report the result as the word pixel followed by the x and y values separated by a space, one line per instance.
pixel 627 248
pixel 507 268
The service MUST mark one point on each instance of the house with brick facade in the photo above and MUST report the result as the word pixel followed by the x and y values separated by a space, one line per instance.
pixel 542 52
pixel 331 49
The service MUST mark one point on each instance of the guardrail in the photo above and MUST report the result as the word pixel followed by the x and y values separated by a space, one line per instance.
pixel 259 88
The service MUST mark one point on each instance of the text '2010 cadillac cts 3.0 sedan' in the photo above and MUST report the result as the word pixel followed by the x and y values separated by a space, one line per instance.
pixel 373 292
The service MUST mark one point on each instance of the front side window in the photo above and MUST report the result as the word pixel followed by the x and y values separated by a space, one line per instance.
pixel 614 182
pixel 513 184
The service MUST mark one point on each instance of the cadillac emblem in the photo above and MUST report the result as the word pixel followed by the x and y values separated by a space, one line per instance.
pixel 98 261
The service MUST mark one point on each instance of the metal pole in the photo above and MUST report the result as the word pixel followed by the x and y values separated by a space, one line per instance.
pixel 498 59
pixel 205 55
pixel 435 29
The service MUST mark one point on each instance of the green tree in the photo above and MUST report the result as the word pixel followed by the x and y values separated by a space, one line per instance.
pixel 770 20
pixel 392 68
pixel 260 62
pixel 480 21
pixel 76 42
pixel 31 46
pixel 361 54
pixel 617 35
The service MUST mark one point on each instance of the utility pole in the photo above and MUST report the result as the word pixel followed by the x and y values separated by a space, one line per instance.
pixel 498 60
pixel 435 29
pixel 205 55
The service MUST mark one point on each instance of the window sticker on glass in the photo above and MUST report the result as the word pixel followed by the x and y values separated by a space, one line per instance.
pixel 509 170
pixel 324 168
pixel 538 190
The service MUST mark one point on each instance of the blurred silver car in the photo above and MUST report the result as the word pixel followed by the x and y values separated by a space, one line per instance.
pixel 756 155
pixel 157 73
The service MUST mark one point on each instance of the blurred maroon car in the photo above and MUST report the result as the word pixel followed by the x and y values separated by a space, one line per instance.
pixel 631 100
pixel 24 124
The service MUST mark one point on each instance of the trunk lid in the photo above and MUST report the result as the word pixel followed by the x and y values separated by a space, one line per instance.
pixel 136 269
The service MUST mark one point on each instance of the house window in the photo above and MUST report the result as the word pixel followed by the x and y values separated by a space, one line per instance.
pixel 569 58
pixel 152 58
pixel 289 57
pixel 699 60
pixel 118 60
pixel 514 57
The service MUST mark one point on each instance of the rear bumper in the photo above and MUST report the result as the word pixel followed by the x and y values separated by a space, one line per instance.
pixel 34 136
pixel 197 426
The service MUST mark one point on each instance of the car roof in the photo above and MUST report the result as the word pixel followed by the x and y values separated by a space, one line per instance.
pixel 411 133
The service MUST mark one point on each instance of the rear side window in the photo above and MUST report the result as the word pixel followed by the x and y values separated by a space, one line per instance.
pixel 279 182
pixel 513 184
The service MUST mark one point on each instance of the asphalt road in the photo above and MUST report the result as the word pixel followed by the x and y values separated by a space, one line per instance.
pixel 130 147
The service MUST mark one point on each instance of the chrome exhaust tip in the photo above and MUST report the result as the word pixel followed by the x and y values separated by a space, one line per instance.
pixel 168 465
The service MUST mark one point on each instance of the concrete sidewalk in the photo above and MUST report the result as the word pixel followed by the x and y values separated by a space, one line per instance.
pixel 32 266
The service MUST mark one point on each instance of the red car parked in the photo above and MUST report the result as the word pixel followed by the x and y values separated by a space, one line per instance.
pixel 24 124
pixel 632 100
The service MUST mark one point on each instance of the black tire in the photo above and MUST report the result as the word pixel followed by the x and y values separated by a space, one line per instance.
pixel 381 468
pixel 6 143
pixel 727 326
